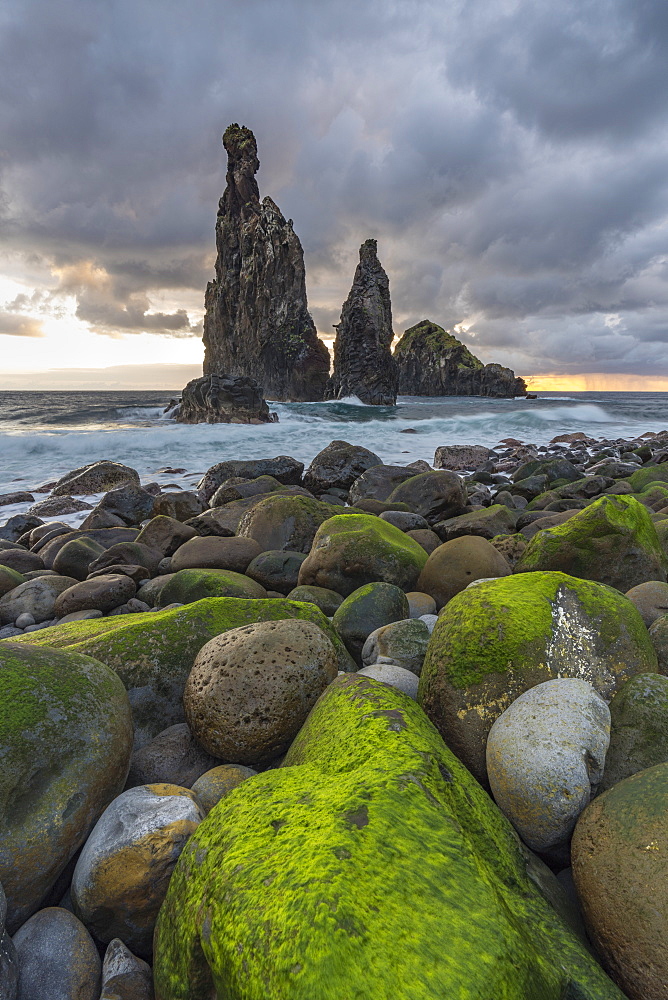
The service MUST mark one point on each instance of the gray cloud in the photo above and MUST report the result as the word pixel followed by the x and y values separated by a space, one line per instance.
pixel 511 157
pixel 15 325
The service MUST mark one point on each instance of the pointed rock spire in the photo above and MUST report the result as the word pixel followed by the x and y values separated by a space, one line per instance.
pixel 363 362
pixel 257 322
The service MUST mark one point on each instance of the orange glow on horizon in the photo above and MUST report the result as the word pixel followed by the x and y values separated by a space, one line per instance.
pixel 596 382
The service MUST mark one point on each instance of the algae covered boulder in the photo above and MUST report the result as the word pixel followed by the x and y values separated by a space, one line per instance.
pixel 639 728
pixel 499 638
pixel 281 522
pixel 365 610
pixel 612 541
pixel 371 865
pixel 65 742
pixel 153 652
pixel 188 585
pixel 350 550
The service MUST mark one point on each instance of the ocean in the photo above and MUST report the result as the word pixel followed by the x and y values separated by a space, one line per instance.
pixel 46 434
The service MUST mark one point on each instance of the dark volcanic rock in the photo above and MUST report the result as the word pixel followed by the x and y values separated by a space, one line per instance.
pixel 223 399
pixel 285 469
pixel 257 322
pixel 431 362
pixel 363 363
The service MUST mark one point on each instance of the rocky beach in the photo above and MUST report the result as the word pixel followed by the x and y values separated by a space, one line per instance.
pixel 265 727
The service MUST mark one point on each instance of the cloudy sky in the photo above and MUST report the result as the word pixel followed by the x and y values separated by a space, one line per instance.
pixel 510 156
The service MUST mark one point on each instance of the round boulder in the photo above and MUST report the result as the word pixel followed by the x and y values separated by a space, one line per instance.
pixel 76 556
pixel 651 600
pixel 215 784
pixel 233 554
pixel 394 675
pixel 638 727
pixel 173 757
pixel 499 638
pixel 285 522
pixel 364 611
pixel 65 742
pixel 276 570
pixel 402 642
pixel 36 597
pixel 434 495
pixel 123 871
pixel 619 869
pixel 9 579
pixel 452 566
pixel 327 600
pixel 250 690
pixel 425 537
pixel 190 585
pixel 350 550
pixel 101 593
pixel 57 957
pixel 420 604
pixel 545 757
pixel 338 465
pixel 20 560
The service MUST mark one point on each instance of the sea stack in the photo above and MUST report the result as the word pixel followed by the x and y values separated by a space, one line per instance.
pixel 431 362
pixel 363 362
pixel 257 322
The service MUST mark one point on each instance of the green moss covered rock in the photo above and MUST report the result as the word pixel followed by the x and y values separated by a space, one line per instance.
pixel 350 550
pixel 641 479
pixel 638 728
pixel 65 743
pixel 365 610
pixel 499 638
pixel 286 522
pixel 190 585
pixel 371 865
pixel 613 541
pixel 153 652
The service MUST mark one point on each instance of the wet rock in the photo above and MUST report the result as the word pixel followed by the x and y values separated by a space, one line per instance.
pixel 338 465
pixel 172 757
pixel 257 322
pixel 65 741
pixel 215 784
pixel 98 477
pixel 222 399
pixel 619 873
pixel 180 505
pixel 216 553
pixel 350 550
pixel 545 758
pixel 250 690
pixel 431 362
pixel 365 610
pixel 131 504
pixel 363 362
pixel 53 506
pixel 285 469
pixel 454 565
pixel 378 482
pixel 57 957
pixel 17 497
pixel 123 871
pixel 497 639
pixel 434 495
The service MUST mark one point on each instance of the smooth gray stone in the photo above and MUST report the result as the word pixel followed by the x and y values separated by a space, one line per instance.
pixel 394 675
pixel 58 959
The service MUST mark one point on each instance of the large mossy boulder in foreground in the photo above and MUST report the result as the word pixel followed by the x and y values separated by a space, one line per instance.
pixel 153 652
pixel 350 550
pixel 65 743
pixel 499 638
pixel 613 541
pixel 370 866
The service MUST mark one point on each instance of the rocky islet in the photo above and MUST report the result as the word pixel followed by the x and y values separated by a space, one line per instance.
pixel 150 695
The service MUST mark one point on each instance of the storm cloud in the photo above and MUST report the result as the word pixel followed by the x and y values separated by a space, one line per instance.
pixel 510 156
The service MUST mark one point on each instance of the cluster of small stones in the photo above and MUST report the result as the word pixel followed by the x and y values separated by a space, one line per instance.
pixel 388 562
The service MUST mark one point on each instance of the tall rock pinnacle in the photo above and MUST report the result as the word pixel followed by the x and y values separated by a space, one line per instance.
pixel 363 362
pixel 257 321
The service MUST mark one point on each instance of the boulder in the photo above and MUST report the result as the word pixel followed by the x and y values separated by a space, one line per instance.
pixel 461 457
pixel 216 553
pixel 276 570
pixel 350 550
pixel 20 560
pixel 75 557
pixel 122 873
pixel 98 477
pixel 257 322
pixel 499 638
pixel 215 784
pixel 57 506
pixel 152 653
pixel 338 465
pixel 17 525
pixel 9 579
pixel 127 554
pixel 648 474
pixel 173 757
pixel 612 541
pixel 250 690
pixel 280 522
pixel 545 758
pixel 57 958
pixel 18 496
pixel 638 727
pixel 124 976
pixel 431 362
pixel 180 505
pixel 404 520
pixel 658 634
pixel 190 585
pixel 395 676
pixel 65 741
pixel 420 604
pixel 454 565
pixel 426 538
pixel 237 488
pixel 222 399
pixel 378 482
pixel 101 593
pixel 285 469
pixel 619 873
pixel 651 600
pixel 487 523
pixel 165 534
pixel 327 600
pixel 363 362
pixel 49 548
pixel 435 495
pixel 35 597
pixel 130 503
pixel 401 642
pixel 365 610
pixel 319 862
